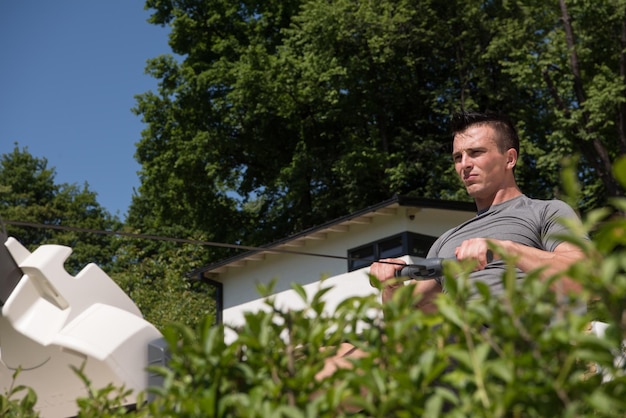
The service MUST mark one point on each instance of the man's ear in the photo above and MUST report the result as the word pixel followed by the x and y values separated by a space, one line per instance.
pixel 511 155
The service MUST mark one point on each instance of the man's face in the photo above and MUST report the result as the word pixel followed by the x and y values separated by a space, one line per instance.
pixel 483 169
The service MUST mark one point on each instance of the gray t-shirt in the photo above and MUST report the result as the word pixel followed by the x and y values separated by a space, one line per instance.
pixel 527 221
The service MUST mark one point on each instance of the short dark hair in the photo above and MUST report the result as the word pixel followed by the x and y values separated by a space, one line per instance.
pixel 506 133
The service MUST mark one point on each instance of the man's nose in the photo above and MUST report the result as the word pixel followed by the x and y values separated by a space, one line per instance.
pixel 465 161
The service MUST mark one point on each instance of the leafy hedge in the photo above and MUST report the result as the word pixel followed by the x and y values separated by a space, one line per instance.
pixel 524 354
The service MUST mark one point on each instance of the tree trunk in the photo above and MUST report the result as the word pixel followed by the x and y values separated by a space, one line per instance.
pixel 593 149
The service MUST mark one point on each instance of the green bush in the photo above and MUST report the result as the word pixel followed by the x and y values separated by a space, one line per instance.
pixel 532 360
pixel 18 401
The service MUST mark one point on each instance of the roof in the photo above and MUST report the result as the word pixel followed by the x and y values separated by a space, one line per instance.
pixel 287 245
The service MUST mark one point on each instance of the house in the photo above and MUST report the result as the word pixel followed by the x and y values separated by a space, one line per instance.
pixel 340 251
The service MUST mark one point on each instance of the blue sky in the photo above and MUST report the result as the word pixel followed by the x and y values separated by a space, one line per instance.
pixel 69 74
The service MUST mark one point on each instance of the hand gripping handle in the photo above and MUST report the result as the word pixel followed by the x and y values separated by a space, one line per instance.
pixel 425 268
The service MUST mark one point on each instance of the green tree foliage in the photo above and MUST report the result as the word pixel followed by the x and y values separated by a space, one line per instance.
pixel 280 115
pixel 28 193
pixel 157 282
pixel 569 56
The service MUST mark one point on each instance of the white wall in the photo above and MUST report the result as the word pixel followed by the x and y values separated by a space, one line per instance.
pixel 355 283
pixel 240 291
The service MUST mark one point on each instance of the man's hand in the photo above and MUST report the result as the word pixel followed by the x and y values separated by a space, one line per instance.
pixel 477 249
pixel 425 290
pixel 385 269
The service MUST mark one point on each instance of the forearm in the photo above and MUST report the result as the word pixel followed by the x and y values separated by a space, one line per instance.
pixel 551 263
pixel 424 291
pixel 389 290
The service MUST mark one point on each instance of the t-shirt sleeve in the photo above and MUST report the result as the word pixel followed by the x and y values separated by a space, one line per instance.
pixel 552 223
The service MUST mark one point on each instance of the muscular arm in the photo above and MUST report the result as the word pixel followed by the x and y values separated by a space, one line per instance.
pixel 528 258
pixel 557 261
pixel 426 291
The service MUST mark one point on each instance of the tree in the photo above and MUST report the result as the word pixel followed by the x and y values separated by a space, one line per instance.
pixel 158 284
pixel 277 116
pixel 194 152
pixel 282 115
pixel 28 193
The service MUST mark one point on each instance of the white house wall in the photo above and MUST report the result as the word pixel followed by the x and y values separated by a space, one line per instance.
pixel 354 283
pixel 240 284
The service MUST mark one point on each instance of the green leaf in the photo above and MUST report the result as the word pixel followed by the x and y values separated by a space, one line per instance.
pixel 619 170
pixel 450 313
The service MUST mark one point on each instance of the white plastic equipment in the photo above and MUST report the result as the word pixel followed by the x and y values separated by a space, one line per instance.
pixel 619 356
pixel 51 320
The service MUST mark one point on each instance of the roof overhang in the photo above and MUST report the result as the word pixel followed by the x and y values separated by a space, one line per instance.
pixel 290 245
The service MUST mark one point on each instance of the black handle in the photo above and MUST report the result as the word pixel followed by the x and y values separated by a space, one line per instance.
pixel 425 268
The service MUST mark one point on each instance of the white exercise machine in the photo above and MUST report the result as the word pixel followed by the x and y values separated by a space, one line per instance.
pixel 51 321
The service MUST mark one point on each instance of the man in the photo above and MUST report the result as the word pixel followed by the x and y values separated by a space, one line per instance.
pixel 485 153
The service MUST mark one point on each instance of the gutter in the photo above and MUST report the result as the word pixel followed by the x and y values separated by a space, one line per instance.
pixel 219 296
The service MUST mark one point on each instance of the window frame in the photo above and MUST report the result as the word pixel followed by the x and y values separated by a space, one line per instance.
pixel 410 243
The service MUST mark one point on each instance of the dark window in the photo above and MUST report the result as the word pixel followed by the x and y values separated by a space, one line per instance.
pixel 361 257
pixel 391 247
pixel 394 246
